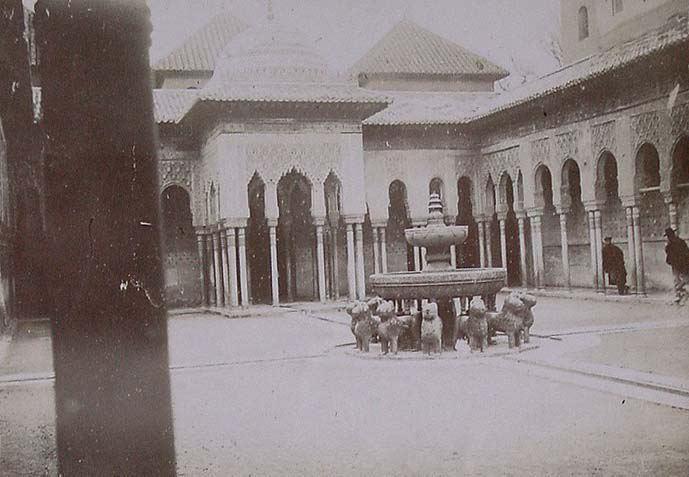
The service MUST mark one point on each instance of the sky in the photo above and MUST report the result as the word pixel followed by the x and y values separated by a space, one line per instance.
pixel 514 34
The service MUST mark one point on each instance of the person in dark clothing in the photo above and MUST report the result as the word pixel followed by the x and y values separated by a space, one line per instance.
pixel 613 265
pixel 677 254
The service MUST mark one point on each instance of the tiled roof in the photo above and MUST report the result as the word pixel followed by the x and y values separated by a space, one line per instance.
pixel 198 53
pixel 410 49
pixel 170 105
pixel 293 92
pixel 413 107
pixel 673 33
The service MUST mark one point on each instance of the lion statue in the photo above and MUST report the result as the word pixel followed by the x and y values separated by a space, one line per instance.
pixel 390 327
pixel 510 320
pixel 529 302
pixel 475 327
pixel 363 325
pixel 431 329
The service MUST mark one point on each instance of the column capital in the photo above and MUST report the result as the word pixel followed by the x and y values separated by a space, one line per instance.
pixel 272 222
pixel 502 216
pixel 521 215
pixel 353 219
pixel 668 197
pixel 379 224
pixel 592 205
pixel 235 222
pixel 630 201
pixel 562 210
pixel 318 221
pixel 534 212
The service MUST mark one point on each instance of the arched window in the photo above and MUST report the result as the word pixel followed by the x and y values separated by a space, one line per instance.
pixel 583 23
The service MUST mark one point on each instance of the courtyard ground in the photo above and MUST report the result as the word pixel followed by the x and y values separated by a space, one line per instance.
pixel 606 392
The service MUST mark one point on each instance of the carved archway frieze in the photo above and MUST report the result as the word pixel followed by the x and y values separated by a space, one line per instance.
pixel 566 146
pixel 177 173
pixel 680 120
pixel 274 160
pixel 540 152
pixel 646 128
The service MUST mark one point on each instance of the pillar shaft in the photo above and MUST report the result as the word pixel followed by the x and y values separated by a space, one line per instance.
pixel 225 274
pixel 564 249
pixel 522 252
pixel 424 263
pixel 360 273
pixel 336 262
pixel 598 229
pixel 537 250
pixel 592 243
pixel 672 212
pixel 351 263
pixel 503 244
pixel 489 243
pixel 482 243
pixel 320 253
pixel 243 269
pixel 217 256
pixel 231 266
pixel 376 251
pixel 212 285
pixel 201 246
pixel 631 247
pixel 417 258
pixel 383 250
pixel 274 288
pixel 639 253
pixel 453 256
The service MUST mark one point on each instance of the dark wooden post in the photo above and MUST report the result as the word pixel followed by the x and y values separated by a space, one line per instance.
pixel 112 382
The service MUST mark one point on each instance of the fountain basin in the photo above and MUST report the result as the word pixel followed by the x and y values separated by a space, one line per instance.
pixel 463 282
pixel 436 236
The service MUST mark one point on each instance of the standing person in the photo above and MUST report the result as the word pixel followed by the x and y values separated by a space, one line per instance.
pixel 677 254
pixel 613 265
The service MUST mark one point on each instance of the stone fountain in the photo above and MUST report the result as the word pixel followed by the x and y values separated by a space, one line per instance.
pixel 439 281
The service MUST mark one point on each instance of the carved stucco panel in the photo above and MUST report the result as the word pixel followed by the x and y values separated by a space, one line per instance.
pixel 506 160
pixel 603 137
pixel 566 146
pixel 540 152
pixel 646 128
pixel 680 120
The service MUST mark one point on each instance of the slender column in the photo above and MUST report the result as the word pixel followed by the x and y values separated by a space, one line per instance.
pixel 453 256
pixel 592 242
pixel 288 262
pixel 598 228
pixel 274 288
pixel 522 251
pixel 482 243
pixel 212 299
pixel 672 212
pixel 564 249
pixel 243 272
pixel 383 250
pixel 336 266
pixel 423 258
pixel 417 258
pixel 201 245
pixel 360 274
pixel 232 266
pixel 631 247
pixel 351 272
pixel 489 243
pixel 639 254
pixel 537 250
pixel 376 252
pixel 225 274
pixel 320 258
pixel 503 244
pixel 217 255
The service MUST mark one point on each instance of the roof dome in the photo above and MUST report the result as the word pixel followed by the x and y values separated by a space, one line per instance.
pixel 270 53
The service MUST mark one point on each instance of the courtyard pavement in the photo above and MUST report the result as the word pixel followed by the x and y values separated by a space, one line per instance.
pixel 603 390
